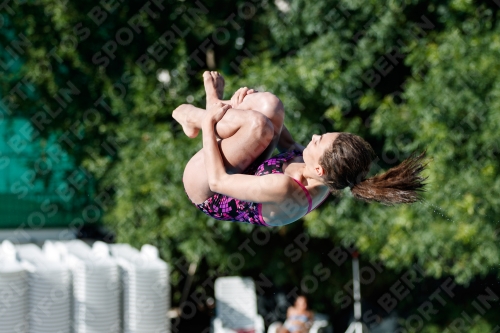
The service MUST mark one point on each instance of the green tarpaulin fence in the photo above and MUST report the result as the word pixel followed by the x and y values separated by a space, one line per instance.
pixel 34 183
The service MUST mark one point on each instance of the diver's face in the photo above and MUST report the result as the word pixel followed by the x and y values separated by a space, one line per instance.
pixel 316 148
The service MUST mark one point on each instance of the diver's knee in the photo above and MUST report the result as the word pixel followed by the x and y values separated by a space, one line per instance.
pixel 262 128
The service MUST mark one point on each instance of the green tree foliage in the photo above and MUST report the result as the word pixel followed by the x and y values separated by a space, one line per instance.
pixel 406 75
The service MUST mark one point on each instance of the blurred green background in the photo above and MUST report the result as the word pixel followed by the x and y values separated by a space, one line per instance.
pixel 99 81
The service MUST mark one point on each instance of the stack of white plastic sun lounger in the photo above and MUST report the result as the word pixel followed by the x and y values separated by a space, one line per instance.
pixel 146 290
pixel 70 287
pixel 49 292
pixel 14 304
pixel 96 288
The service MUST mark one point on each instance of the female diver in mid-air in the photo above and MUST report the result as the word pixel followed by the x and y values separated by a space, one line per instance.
pixel 234 177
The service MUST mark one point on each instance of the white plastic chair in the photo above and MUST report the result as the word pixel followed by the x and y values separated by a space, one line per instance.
pixel 96 288
pixel 146 288
pixel 14 301
pixel 49 283
pixel 236 306
pixel 320 321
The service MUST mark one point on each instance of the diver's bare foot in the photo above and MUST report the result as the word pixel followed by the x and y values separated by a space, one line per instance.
pixel 219 84
pixel 214 86
pixel 182 116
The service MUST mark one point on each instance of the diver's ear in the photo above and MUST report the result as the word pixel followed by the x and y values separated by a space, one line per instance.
pixel 319 170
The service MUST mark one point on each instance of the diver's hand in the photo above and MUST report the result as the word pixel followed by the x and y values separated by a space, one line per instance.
pixel 215 113
pixel 239 95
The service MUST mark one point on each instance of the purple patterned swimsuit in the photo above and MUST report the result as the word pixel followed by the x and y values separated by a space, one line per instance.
pixel 222 207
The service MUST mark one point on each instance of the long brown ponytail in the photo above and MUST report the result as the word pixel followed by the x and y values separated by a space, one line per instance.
pixel 348 161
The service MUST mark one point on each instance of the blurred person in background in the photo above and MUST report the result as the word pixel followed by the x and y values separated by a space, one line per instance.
pixel 299 318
